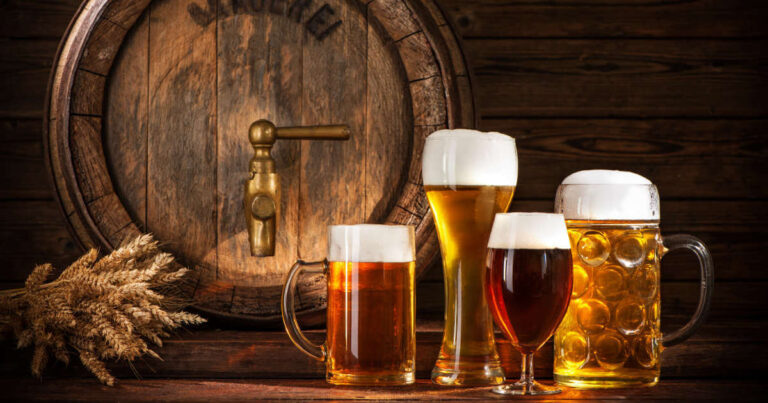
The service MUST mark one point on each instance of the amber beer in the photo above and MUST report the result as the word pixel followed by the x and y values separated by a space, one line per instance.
pixel 375 338
pixel 469 176
pixel 371 336
pixel 611 334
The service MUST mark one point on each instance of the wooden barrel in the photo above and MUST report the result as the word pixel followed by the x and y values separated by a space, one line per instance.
pixel 148 113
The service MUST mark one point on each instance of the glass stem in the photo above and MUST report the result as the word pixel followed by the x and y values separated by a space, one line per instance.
pixel 526 372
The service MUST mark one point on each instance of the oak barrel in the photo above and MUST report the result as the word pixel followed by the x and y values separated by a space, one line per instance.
pixel 148 112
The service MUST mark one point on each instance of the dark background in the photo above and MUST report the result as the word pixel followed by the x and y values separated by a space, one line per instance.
pixel 673 90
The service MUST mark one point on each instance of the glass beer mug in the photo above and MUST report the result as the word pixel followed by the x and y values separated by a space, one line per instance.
pixel 610 336
pixel 371 335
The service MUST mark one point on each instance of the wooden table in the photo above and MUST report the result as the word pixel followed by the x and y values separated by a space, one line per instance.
pixel 315 389
pixel 726 358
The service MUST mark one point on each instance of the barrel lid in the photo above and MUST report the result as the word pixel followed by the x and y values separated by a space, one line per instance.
pixel 147 131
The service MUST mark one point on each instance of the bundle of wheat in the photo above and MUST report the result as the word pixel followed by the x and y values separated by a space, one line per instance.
pixel 103 309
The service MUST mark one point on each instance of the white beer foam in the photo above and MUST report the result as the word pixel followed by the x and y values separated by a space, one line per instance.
pixel 470 158
pixel 371 243
pixel 600 194
pixel 529 231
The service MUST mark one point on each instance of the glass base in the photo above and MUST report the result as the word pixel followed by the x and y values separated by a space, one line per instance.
pixel 605 382
pixel 487 375
pixel 403 378
pixel 524 389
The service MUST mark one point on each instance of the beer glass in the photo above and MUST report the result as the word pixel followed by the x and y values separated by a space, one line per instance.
pixel 611 334
pixel 529 282
pixel 469 176
pixel 370 337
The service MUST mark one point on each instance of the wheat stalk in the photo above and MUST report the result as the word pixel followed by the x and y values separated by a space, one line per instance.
pixel 102 309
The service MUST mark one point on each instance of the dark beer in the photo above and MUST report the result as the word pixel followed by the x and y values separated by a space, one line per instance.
pixel 529 290
pixel 528 283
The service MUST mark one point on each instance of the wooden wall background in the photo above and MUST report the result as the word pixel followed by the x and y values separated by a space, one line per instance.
pixel 674 90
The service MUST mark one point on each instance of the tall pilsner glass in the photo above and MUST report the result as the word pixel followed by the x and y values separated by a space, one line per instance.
pixel 469 176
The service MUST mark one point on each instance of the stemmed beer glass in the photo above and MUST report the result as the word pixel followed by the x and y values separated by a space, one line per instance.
pixel 528 283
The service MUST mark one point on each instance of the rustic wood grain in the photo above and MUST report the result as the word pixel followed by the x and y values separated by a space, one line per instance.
pixel 44 18
pixel 125 12
pixel 388 121
pixel 318 390
pixel 619 78
pixel 259 77
pixel 88 155
pixel 181 188
pixel 333 173
pixel 609 19
pixel 125 121
pixel 102 46
pixel 395 16
pixel 712 159
pixel 721 349
pixel 87 93
pixel 22 172
pixel 25 66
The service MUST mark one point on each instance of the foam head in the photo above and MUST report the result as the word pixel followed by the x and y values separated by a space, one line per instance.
pixel 371 243
pixel 529 231
pixel 463 157
pixel 600 194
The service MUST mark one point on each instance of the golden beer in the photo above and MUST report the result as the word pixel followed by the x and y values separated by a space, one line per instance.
pixel 469 176
pixel 611 335
pixel 463 217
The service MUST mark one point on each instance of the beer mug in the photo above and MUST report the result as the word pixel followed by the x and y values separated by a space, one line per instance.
pixel 469 176
pixel 610 336
pixel 370 337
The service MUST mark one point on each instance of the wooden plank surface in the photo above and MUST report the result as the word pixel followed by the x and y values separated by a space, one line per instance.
pixel 388 125
pixel 609 18
pixel 259 65
pixel 308 390
pixel 712 159
pixel 181 187
pixel 559 78
pixel 722 349
pixel 126 121
pixel 332 172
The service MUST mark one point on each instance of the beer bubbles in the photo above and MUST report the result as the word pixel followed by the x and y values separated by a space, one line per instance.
pixel 612 219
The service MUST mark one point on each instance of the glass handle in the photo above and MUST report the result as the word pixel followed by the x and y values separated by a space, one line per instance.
pixel 289 312
pixel 682 241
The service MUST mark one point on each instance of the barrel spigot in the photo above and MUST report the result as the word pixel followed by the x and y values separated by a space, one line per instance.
pixel 262 189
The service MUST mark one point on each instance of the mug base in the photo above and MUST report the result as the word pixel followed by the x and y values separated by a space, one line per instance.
pixel 605 382
pixel 404 378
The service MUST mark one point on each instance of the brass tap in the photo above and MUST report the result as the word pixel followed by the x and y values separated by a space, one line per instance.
pixel 262 189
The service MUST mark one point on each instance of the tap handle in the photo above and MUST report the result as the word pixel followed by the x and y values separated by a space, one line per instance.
pixel 327 132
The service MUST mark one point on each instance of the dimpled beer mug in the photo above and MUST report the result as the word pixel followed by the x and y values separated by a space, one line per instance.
pixel 370 337
pixel 611 336
pixel 469 176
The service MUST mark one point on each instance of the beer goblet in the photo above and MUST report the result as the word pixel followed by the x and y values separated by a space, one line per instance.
pixel 370 337
pixel 468 177
pixel 529 281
